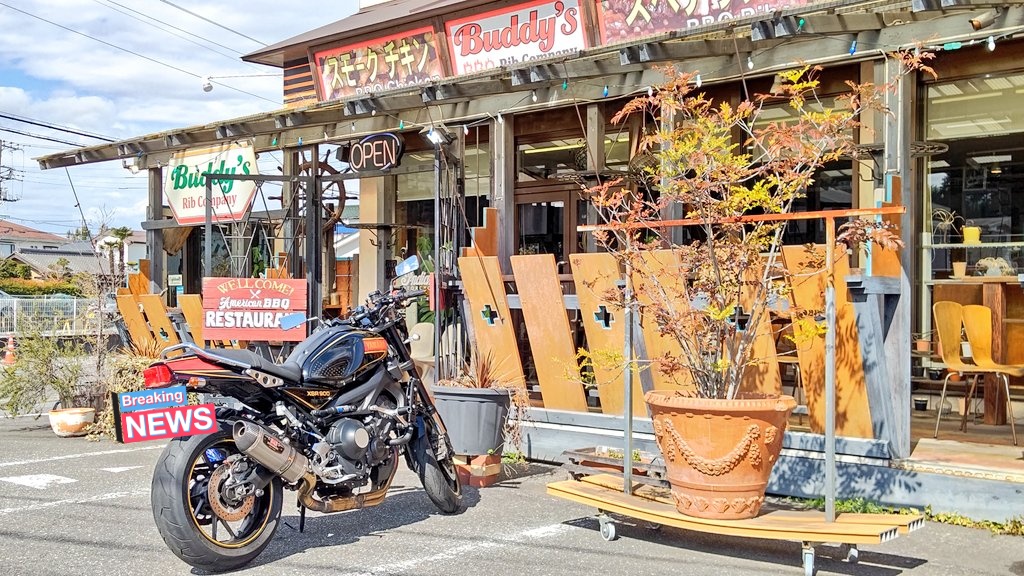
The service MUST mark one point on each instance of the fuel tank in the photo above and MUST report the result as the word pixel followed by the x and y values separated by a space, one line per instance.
pixel 333 357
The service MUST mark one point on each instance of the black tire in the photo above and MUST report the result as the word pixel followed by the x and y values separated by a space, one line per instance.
pixel 439 478
pixel 180 514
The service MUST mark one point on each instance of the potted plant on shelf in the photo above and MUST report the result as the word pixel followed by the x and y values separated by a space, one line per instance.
pixel 482 415
pixel 714 299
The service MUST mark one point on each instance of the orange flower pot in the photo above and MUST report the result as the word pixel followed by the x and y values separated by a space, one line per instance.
pixel 719 453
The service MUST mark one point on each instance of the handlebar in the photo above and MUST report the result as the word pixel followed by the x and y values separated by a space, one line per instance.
pixel 378 303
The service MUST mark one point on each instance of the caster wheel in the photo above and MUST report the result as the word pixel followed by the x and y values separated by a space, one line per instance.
pixel 852 555
pixel 608 531
pixel 809 562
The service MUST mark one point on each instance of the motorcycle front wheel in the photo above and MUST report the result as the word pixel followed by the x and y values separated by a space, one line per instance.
pixel 200 525
pixel 439 477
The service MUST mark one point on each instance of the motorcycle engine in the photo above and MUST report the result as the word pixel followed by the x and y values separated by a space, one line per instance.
pixel 348 453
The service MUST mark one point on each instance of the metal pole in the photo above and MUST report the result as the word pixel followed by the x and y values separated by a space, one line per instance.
pixel 313 236
pixel 208 230
pixel 627 412
pixel 830 373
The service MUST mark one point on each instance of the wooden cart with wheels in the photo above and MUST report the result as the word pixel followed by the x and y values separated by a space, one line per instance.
pixel 654 505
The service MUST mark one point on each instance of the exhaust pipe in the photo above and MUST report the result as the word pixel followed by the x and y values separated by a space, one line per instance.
pixel 263 446
pixel 266 448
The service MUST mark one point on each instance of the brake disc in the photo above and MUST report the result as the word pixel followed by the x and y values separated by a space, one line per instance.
pixel 231 511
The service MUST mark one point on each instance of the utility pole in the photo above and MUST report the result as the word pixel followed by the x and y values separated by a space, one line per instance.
pixel 6 174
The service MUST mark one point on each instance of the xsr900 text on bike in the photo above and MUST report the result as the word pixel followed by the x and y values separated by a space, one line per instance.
pixel 331 422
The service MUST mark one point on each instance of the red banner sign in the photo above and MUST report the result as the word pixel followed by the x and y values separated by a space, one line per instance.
pixel 167 423
pixel 406 59
pixel 516 34
pixel 251 308
pixel 622 20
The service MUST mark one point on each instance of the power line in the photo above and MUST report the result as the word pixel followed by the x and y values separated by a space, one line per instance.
pixel 39 136
pixel 143 56
pixel 56 127
pixel 217 24
pixel 233 57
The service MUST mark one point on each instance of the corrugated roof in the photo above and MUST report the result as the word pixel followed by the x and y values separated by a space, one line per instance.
pixel 42 260
pixel 16 231
pixel 384 17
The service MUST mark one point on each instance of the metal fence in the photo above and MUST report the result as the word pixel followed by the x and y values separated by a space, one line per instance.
pixel 48 315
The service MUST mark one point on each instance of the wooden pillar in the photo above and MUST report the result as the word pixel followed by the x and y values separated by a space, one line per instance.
pixel 595 161
pixel 503 174
pixel 994 297
pixel 155 238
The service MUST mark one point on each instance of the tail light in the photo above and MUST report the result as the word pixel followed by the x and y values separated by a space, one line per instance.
pixel 158 376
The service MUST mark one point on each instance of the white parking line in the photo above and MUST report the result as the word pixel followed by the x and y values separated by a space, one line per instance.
pixel 43 505
pixel 120 469
pixel 408 566
pixel 38 481
pixel 81 455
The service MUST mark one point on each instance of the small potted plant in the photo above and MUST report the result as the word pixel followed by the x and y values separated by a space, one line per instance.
pixel 477 409
pixel 972 233
pixel 994 267
pixel 45 368
pixel 923 342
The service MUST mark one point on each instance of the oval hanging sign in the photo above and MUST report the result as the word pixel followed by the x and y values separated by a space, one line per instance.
pixel 376 152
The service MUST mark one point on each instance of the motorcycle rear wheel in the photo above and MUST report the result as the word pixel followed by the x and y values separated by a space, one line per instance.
pixel 440 479
pixel 184 515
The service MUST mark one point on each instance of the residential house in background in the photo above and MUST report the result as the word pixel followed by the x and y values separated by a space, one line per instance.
pixel 15 237
pixel 80 257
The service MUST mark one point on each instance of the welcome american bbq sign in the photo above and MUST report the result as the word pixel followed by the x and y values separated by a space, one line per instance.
pixel 251 308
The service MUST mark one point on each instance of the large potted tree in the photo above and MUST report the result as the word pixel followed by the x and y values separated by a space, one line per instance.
pixel 711 288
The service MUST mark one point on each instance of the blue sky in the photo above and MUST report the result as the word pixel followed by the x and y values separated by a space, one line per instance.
pixel 55 75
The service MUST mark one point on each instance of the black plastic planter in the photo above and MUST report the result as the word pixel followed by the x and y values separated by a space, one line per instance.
pixel 475 418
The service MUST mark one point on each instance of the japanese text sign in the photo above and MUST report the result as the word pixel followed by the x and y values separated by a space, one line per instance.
pixel 623 20
pixel 251 308
pixel 405 59
pixel 185 185
pixel 516 34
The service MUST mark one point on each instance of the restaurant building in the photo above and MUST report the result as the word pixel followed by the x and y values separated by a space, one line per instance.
pixel 472 127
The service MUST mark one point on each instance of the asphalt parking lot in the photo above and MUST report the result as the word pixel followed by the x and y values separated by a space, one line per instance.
pixel 70 506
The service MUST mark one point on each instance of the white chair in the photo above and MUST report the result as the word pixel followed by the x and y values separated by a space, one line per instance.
pixel 422 350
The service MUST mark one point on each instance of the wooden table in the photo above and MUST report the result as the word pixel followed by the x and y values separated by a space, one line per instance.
pixel 996 291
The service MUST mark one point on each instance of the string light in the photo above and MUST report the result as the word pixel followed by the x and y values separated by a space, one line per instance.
pixel 500 119
pixel 373 112
pixel 991 44
pixel 465 129
pixel 274 141
pixel 565 84
pixel 300 140
pixel 353 126
pixel 750 62
pixel 853 48
pixel 699 81
pixel 605 91
pixel 533 95
pixel 650 91
pixel 401 124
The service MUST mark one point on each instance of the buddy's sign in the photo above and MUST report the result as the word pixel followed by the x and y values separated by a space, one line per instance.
pixel 185 185
pixel 517 34
pixel 251 308
pixel 160 413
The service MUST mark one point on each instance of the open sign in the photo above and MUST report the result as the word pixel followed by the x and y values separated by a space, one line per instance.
pixel 376 152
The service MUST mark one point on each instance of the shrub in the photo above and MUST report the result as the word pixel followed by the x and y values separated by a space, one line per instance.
pixel 23 287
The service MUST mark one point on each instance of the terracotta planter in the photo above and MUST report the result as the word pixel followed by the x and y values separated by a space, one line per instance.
pixel 67 422
pixel 719 453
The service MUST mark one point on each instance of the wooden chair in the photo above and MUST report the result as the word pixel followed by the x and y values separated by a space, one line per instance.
pixel 949 323
pixel 978 325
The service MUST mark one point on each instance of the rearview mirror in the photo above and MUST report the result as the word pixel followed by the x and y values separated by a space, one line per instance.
pixel 407 266
pixel 295 320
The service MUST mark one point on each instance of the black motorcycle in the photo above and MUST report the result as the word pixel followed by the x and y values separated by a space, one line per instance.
pixel 331 422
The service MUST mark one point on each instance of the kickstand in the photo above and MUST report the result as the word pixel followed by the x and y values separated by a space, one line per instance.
pixel 302 518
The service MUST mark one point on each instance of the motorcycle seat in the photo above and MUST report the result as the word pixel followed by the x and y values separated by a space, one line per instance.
pixel 289 371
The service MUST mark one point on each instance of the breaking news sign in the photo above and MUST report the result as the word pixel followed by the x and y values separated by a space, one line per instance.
pixel 160 413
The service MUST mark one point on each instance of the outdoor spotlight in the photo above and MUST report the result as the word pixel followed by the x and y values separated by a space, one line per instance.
pixel 437 135
pixel 985 20
pixel 207 85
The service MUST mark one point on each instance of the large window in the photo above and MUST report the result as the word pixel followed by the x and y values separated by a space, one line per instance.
pixel 979 179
